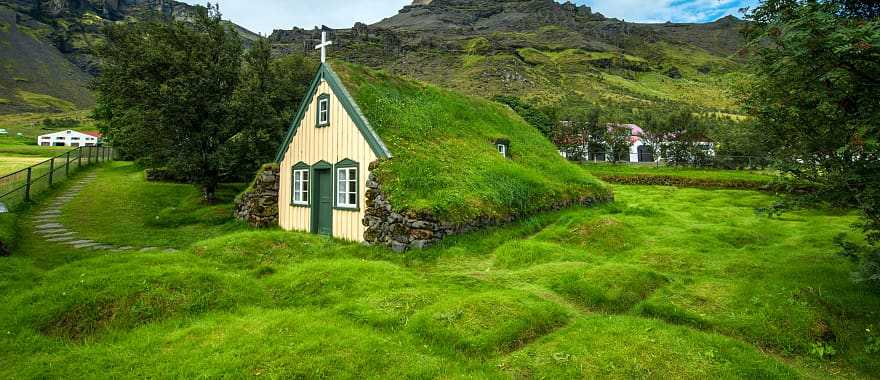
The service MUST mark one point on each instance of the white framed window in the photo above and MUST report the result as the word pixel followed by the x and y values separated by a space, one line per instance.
pixel 301 187
pixel 502 149
pixel 346 187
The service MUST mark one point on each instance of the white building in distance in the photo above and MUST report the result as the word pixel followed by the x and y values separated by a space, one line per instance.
pixel 69 138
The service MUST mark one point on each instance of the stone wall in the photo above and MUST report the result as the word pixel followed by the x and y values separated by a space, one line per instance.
pixel 259 205
pixel 408 230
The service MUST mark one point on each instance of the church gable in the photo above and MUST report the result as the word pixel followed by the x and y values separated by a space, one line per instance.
pixel 326 88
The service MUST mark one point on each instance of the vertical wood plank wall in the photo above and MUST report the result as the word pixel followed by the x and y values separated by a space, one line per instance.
pixel 335 143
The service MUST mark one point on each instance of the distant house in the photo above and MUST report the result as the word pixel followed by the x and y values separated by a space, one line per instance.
pixel 69 138
pixel 639 150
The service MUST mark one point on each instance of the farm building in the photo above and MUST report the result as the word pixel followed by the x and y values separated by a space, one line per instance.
pixel 69 138
pixel 378 159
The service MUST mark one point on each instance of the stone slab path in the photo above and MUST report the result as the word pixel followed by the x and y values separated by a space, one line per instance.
pixel 49 227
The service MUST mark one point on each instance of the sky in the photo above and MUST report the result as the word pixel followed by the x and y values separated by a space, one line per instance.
pixel 263 16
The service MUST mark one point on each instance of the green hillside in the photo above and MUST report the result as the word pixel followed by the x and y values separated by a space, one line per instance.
pixel 445 159
pixel 546 53
pixel 36 77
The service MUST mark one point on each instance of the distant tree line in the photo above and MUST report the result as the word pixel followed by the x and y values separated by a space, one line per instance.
pixel 677 133
pixel 188 98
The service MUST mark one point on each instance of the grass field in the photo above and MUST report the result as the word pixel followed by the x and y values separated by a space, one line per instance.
pixel 683 176
pixel 15 155
pixel 663 283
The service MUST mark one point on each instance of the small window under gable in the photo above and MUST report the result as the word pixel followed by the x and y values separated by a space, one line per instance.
pixel 323 111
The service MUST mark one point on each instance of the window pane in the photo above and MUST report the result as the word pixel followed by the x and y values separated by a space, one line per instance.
pixel 352 174
pixel 352 199
pixel 352 186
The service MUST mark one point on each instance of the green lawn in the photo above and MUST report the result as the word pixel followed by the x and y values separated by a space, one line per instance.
pixel 663 283
pixel 648 174
pixel 130 210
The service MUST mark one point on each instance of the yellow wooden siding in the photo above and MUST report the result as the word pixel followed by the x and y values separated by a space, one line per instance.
pixel 341 140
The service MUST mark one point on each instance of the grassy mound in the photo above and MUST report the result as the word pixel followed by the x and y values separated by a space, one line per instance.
pixel 265 250
pixel 524 253
pixel 627 347
pixel 252 343
pixel 328 282
pixel 76 301
pixel 445 159
pixel 490 322
pixel 610 287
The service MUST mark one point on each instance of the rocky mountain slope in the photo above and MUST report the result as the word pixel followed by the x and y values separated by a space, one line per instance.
pixel 543 51
pixel 47 47
pixel 539 50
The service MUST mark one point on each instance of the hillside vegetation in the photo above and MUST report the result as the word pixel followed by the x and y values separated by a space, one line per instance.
pixel 665 282
pixel 445 159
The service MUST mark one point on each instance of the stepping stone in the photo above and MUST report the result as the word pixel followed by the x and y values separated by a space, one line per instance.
pixel 59 234
pixel 102 247
pixel 126 248
pixel 48 213
pixel 43 219
pixel 84 245
pixel 49 226
pixel 80 242
pixel 61 239
pixel 148 249
pixel 52 231
pixel 169 250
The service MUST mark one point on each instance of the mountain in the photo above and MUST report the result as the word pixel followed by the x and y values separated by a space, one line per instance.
pixel 47 47
pixel 543 51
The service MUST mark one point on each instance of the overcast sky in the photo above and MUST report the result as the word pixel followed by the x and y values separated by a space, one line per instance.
pixel 262 16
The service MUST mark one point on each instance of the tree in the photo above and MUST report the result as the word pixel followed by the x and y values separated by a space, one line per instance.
pixel 165 93
pixel 262 107
pixel 817 76
pixel 618 139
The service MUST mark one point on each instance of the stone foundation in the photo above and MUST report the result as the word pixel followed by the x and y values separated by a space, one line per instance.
pixel 259 205
pixel 408 230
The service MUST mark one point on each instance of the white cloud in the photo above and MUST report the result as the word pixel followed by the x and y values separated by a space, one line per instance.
pixel 668 10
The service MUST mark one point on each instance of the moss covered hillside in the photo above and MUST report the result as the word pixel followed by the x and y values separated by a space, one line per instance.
pixel 444 157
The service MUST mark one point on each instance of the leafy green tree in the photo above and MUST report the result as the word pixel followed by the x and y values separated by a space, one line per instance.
pixel 262 106
pixel 817 77
pixel 166 90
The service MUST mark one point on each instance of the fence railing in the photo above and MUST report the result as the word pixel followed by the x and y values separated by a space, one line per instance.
pixel 22 186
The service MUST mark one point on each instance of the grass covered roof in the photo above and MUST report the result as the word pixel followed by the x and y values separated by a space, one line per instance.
pixel 445 160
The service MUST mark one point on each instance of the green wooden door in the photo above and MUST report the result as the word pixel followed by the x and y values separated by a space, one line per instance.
pixel 322 213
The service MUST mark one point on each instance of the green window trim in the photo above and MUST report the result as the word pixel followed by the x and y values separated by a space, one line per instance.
pixel 301 167
pixel 319 123
pixel 347 164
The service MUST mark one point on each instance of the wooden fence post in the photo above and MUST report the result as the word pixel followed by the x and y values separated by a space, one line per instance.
pixel 79 157
pixel 27 186
pixel 89 157
pixel 67 165
pixel 51 170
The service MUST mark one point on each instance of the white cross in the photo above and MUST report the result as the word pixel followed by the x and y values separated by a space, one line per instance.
pixel 323 46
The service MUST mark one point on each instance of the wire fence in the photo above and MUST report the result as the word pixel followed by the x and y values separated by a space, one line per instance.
pixel 24 185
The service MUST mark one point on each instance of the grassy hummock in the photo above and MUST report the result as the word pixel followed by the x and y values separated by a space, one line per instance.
pixel 445 160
